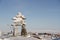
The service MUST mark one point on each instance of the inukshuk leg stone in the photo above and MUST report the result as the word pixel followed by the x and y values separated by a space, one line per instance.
pixel 15 31
pixel 23 30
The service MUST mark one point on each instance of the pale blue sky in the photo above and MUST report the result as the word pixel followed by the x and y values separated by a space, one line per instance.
pixel 40 14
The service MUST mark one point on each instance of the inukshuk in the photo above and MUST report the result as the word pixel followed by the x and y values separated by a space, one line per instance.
pixel 19 20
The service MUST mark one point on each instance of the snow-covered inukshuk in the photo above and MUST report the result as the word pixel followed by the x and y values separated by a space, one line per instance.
pixel 19 20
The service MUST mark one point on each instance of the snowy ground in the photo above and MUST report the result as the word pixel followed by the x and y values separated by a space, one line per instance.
pixel 29 37
pixel 25 38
